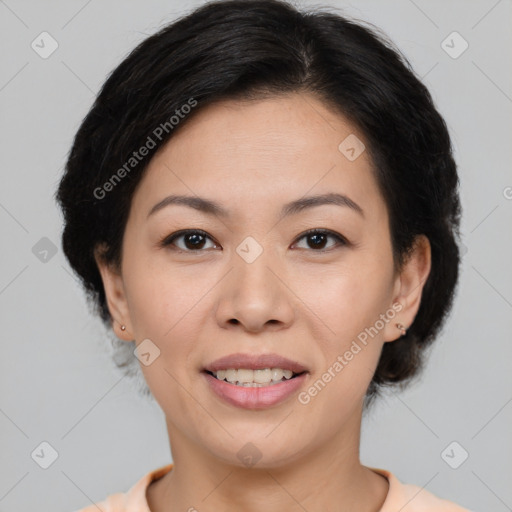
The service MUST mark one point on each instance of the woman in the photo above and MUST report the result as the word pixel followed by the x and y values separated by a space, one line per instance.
pixel 264 201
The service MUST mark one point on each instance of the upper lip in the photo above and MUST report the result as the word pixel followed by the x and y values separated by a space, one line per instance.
pixel 254 362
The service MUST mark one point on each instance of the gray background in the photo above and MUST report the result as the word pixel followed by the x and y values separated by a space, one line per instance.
pixel 58 383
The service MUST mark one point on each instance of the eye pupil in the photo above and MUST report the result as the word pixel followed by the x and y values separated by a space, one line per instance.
pixel 194 236
pixel 318 242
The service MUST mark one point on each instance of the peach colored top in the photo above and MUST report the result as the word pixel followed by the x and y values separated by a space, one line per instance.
pixel 401 497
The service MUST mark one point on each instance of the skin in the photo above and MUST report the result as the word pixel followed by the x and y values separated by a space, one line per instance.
pixel 294 300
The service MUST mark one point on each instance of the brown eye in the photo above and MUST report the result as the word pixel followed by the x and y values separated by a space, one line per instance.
pixel 317 239
pixel 193 240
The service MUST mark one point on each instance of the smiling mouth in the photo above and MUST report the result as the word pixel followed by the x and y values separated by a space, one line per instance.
pixel 248 378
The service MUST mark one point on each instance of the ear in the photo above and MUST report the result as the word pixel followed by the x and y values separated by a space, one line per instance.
pixel 409 287
pixel 115 295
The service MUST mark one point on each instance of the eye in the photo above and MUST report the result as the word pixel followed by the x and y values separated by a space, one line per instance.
pixel 194 239
pixel 318 239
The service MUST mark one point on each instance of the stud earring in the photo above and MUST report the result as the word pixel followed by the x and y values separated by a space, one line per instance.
pixel 123 327
pixel 402 329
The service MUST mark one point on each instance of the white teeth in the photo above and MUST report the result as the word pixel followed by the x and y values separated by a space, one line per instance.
pixel 253 378
pixel 231 375
pixel 221 374
pixel 262 376
pixel 245 376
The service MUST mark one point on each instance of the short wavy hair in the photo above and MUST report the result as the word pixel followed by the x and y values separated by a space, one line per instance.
pixel 252 49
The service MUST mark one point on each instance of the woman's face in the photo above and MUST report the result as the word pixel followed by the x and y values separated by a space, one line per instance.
pixel 253 283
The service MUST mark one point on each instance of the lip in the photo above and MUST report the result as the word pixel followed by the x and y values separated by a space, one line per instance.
pixel 255 362
pixel 254 398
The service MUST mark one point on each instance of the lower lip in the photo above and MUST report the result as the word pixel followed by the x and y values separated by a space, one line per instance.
pixel 254 398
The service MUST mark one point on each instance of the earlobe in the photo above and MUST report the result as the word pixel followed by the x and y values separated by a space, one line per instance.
pixel 402 329
pixel 115 296
pixel 122 332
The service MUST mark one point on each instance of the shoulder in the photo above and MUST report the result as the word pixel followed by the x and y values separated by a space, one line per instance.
pixel 113 503
pixel 134 500
pixel 412 498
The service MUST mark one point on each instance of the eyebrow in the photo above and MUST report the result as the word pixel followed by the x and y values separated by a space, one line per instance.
pixel 213 208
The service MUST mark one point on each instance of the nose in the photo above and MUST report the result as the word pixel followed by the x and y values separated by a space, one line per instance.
pixel 255 295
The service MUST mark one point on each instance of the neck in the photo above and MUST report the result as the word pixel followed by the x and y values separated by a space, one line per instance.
pixel 313 481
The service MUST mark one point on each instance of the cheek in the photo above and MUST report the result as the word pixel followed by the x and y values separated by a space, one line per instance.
pixel 161 297
pixel 169 311
pixel 344 298
pixel 348 304
pixel 169 308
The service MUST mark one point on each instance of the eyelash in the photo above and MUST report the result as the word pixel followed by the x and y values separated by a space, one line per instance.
pixel 168 240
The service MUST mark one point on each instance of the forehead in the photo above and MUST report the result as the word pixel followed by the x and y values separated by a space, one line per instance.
pixel 250 154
